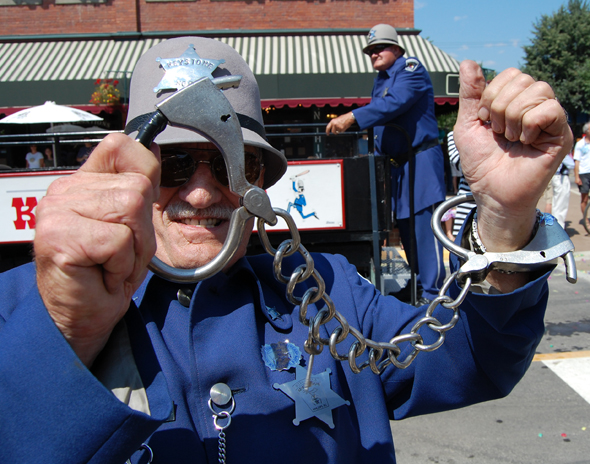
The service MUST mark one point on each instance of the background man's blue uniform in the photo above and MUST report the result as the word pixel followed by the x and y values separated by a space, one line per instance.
pixel 403 95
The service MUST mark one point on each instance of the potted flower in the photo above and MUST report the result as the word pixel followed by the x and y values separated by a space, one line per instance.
pixel 105 92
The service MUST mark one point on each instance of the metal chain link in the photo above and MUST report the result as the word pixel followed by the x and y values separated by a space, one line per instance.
pixel 221 421
pixel 221 447
pixel 381 354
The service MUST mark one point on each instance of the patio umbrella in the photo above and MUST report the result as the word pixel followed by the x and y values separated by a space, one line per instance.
pixel 49 113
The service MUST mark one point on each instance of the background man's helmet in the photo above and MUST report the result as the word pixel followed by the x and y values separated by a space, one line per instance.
pixel 382 34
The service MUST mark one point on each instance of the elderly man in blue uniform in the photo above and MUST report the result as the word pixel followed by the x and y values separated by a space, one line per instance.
pixel 402 95
pixel 105 362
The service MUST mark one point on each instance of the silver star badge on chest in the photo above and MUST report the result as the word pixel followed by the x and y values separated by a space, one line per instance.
pixel 318 400
pixel 185 70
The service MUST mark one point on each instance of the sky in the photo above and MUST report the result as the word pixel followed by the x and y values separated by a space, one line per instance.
pixel 491 33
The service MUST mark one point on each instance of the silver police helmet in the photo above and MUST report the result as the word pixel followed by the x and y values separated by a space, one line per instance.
pixel 176 63
pixel 382 34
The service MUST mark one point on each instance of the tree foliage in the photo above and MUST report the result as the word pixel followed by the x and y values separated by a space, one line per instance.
pixel 447 121
pixel 560 55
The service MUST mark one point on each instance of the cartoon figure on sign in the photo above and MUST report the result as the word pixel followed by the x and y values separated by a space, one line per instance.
pixel 299 202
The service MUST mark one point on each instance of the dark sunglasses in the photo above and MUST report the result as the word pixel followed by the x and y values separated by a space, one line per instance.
pixel 179 165
pixel 377 49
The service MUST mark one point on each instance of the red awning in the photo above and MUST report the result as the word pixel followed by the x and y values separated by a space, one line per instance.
pixel 320 102
pixel 445 100
pixel 279 103
pixel 307 102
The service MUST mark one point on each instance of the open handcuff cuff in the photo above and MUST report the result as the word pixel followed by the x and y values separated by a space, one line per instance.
pixel 202 108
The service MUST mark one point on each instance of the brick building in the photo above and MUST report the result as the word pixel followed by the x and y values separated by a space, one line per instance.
pixel 43 17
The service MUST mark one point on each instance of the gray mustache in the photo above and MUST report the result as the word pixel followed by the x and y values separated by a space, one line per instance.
pixel 183 210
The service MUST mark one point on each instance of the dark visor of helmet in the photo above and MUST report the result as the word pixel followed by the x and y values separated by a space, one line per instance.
pixel 377 48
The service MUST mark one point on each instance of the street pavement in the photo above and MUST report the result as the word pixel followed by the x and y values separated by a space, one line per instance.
pixel 546 418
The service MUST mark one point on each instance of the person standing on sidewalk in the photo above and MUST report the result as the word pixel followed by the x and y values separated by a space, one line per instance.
pixel 561 189
pixel 582 166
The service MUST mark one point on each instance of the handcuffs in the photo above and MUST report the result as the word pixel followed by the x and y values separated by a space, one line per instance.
pixel 202 108
pixel 549 243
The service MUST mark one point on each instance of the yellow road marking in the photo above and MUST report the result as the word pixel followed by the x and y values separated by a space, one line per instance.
pixel 564 355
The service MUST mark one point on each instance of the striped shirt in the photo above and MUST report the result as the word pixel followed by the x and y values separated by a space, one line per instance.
pixel 463 209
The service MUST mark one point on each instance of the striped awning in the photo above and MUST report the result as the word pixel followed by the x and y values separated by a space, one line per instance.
pixel 328 54
pixel 74 60
pixel 290 69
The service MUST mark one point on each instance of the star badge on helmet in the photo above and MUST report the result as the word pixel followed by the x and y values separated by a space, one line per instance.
pixel 371 34
pixel 186 69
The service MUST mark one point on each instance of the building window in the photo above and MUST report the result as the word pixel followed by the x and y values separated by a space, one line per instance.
pixel 78 2
pixel 20 2
pixel 159 1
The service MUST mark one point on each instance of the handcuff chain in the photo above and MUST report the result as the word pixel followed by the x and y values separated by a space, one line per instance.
pixel 380 354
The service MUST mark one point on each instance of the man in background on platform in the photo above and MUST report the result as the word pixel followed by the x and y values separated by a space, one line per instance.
pixel 402 96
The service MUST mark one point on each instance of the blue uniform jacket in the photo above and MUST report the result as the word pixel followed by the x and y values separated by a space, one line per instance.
pixel 53 410
pixel 403 95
